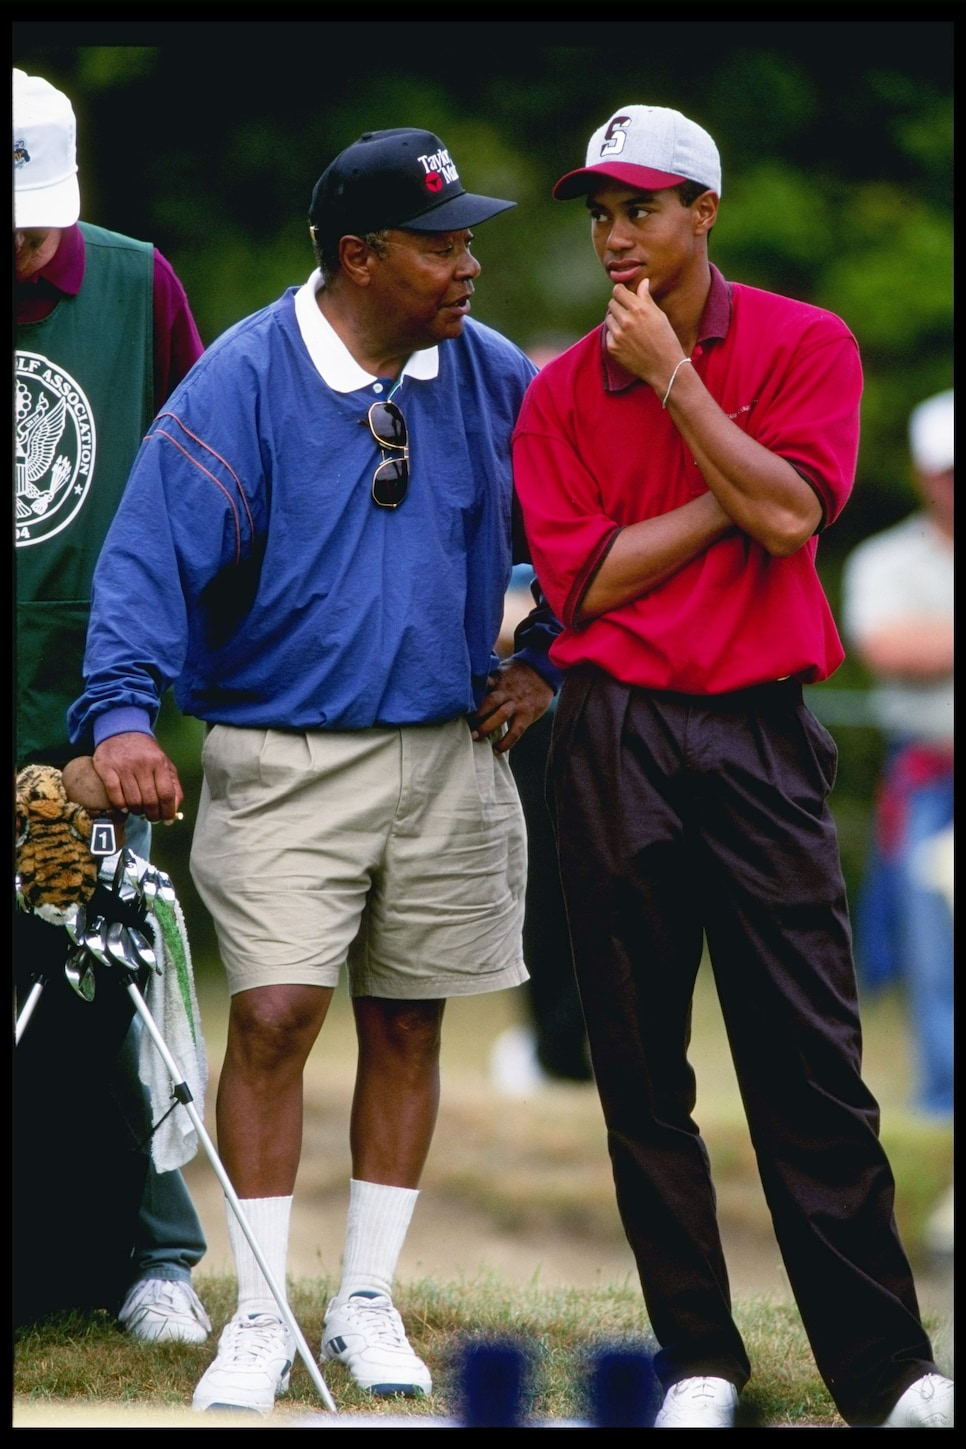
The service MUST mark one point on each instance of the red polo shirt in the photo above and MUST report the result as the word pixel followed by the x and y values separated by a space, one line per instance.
pixel 594 451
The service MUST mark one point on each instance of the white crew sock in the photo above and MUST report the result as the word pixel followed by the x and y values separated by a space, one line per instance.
pixel 268 1218
pixel 378 1221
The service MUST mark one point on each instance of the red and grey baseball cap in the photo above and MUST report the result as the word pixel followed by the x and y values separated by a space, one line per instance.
pixel 647 146
pixel 403 179
pixel 45 190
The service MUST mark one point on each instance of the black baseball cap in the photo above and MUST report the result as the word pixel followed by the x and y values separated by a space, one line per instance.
pixel 403 179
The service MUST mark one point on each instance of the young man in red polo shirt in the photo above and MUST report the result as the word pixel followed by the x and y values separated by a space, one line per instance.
pixel 675 469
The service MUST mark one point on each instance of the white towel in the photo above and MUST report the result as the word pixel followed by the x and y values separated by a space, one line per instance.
pixel 170 998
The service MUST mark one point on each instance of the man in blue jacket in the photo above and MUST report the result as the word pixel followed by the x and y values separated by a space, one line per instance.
pixel 329 500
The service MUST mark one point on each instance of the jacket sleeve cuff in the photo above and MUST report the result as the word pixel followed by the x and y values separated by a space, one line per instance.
pixel 541 664
pixel 127 720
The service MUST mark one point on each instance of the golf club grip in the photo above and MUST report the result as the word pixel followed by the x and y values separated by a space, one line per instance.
pixel 84 785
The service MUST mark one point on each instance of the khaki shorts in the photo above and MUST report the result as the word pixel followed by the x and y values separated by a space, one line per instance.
pixel 399 852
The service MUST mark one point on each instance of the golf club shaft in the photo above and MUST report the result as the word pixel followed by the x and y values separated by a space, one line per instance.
pixel 27 1010
pixel 189 1106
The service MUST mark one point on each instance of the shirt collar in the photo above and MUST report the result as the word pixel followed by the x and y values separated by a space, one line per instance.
pixel 65 270
pixel 715 321
pixel 332 359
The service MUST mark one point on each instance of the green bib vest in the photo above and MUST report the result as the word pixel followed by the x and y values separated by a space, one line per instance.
pixel 84 399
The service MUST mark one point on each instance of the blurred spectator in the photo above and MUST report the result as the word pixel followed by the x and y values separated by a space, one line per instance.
pixel 898 613
pixel 104 335
pixel 551 1044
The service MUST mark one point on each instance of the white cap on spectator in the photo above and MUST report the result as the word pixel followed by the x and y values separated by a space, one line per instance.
pixel 931 434
pixel 45 187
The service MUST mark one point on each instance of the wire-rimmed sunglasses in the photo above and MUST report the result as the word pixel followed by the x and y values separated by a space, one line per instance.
pixel 391 479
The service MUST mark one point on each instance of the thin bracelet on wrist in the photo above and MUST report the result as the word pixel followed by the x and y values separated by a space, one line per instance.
pixel 671 383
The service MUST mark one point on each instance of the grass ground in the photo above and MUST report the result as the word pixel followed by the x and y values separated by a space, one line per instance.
pixel 518 1237
pixel 75 1373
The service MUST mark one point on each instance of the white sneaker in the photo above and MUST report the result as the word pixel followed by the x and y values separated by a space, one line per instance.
pixel 253 1363
pixel 161 1310
pixel 365 1332
pixel 698 1404
pixel 926 1404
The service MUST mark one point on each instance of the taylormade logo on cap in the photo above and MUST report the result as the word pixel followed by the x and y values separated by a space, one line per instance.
pixel 44 155
pixel 439 169
pixel 647 146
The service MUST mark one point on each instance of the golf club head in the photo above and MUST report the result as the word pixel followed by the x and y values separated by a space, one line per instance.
pixel 75 923
pixel 143 950
pixel 130 949
pixel 79 971
pixel 166 887
pixel 95 940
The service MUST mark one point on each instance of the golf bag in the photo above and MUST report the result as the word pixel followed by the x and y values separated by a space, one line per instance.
pixel 80 1160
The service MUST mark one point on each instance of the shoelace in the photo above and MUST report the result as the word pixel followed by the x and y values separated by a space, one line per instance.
pixel 703 1389
pixel 168 1293
pixel 251 1338
pixel 380 1321
pixel 149 1293
pixel 173 1294
pixel 184 1299
pixel 167 1297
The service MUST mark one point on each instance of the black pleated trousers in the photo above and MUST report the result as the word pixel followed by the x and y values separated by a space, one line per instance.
pixel 682 819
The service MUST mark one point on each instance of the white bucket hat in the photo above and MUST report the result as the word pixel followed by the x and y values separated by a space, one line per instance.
pixel 45 187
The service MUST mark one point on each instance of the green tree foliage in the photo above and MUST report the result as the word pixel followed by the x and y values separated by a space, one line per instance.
pixel 836 140
pixel 835 135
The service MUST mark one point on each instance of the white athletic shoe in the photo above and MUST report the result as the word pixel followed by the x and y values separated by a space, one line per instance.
pixel 365 1332
pixel 253 1363
pixel 698 1404
pixel 926 1404
pixel 162 1310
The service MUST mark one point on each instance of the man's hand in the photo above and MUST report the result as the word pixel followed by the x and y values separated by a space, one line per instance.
pixel 640 336
pixel 139 777
pixel 516 698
